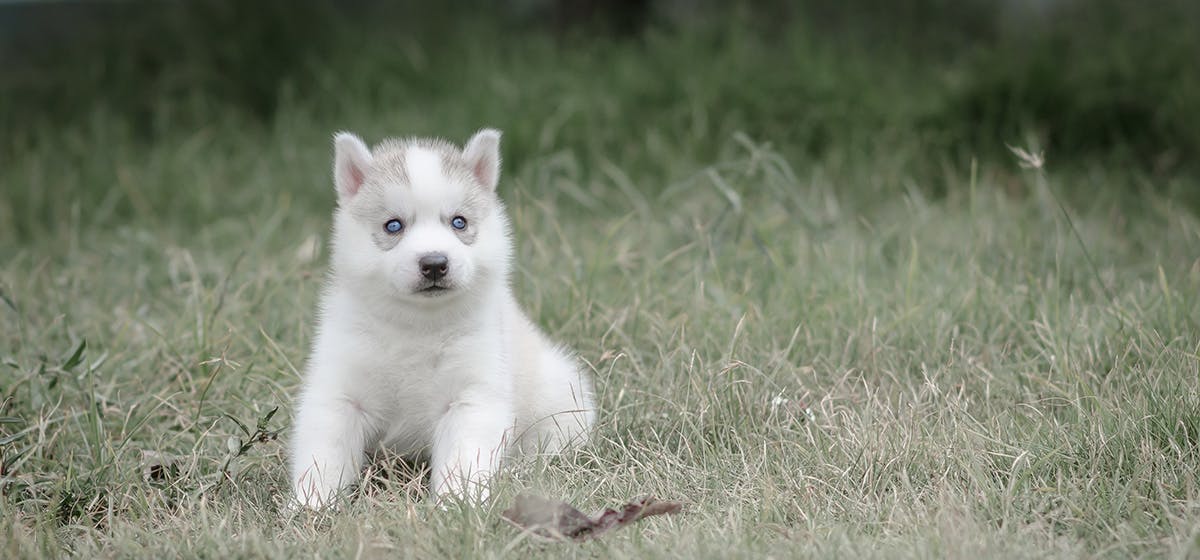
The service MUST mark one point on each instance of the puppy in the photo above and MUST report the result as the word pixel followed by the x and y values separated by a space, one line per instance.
pixel 420 345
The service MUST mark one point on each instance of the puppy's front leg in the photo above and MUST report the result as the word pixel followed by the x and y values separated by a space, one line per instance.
pixel 468 445
pixel 328 449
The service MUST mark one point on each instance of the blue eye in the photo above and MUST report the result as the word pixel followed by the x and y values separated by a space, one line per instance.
pixel 458 222
pixel 393 226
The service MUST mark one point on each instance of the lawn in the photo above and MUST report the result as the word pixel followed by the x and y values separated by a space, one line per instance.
pixel 808 320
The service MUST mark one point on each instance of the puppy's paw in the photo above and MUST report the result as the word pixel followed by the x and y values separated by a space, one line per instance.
pixel 461 491
pixel 314 495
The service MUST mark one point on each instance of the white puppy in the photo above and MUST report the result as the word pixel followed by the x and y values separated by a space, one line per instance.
pixel 420 346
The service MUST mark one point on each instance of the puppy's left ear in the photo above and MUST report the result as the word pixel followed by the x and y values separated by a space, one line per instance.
pixel 482 155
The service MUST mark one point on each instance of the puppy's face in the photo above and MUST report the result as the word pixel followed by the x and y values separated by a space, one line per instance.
pixel 419 219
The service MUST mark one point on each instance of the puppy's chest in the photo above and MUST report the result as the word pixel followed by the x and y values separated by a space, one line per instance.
pixel 417 378
pixel 425 368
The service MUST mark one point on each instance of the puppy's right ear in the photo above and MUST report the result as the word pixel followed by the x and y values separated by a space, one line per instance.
pixel 351 160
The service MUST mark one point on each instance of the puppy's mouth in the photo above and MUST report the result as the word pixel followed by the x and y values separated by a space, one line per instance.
pixel 432 289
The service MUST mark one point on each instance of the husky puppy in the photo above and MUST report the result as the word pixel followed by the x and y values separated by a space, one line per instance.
pixel 420 346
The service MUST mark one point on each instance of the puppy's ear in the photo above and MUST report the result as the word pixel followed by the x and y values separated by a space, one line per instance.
pixel 351 159
pixel 482 155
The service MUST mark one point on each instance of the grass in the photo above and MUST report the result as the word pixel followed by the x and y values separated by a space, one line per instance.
pixel 824 338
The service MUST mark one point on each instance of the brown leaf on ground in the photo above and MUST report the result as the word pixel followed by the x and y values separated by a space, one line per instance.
pixel 558 520
pixel 159 467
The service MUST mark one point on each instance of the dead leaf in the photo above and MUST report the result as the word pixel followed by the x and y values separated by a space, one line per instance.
pixel 159 467
pixel 558 520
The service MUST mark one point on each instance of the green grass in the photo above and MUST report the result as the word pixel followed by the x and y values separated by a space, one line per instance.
pixel 824 338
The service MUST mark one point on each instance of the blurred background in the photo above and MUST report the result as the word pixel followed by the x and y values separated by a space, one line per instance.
pixel 928 83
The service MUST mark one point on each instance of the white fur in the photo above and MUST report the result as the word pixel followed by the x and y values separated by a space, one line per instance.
pixel 462 378
pixel 424 167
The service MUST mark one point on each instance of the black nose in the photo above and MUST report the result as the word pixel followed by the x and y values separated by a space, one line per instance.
pixel 434 266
